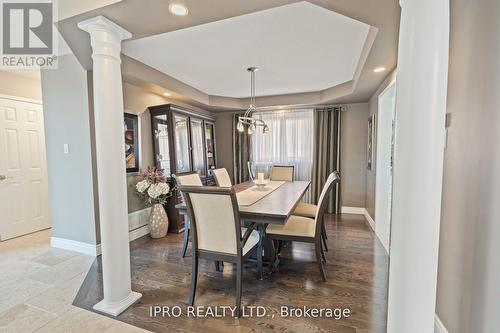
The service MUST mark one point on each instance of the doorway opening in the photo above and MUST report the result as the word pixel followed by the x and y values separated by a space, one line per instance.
pixel 385 153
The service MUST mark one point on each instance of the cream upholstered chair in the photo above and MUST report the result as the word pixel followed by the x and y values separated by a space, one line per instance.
pixel 306 210
pixel 187 179
pixel 282 172
pixel 217 233
pixel 222 178
pixel 310 210
pixel 304 229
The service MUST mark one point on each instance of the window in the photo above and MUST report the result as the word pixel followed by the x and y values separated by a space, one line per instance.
pixel 288 142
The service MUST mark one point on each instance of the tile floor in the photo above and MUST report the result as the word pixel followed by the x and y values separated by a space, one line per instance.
pixel 37 286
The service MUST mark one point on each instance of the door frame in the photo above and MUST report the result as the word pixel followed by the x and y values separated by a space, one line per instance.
pixel 21 99
pixel 378 160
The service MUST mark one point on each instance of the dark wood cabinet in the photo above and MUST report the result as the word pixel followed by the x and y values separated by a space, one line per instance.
pixel 183 141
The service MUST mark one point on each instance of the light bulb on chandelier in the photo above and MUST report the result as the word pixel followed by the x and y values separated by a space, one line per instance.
pixel 240 126
pixel 251 129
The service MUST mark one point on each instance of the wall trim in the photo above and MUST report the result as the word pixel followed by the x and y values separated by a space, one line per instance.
pixel 138 233
pixel 369 219
pixel 439 326
pixel 72 245
pixel 91 249
pixel 21 99
pixel 353 210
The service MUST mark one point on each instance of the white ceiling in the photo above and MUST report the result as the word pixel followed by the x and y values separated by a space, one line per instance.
pixel 298 47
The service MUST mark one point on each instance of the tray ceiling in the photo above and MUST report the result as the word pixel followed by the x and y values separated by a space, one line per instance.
pixel 298 48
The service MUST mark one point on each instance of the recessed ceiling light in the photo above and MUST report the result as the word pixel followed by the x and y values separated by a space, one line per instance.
pixel 379 69
pixel 167 94
pixel 178 9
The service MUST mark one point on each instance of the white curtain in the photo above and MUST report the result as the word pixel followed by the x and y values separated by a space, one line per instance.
pixel 288 142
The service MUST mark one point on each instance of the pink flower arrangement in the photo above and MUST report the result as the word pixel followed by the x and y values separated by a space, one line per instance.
pixel 154 175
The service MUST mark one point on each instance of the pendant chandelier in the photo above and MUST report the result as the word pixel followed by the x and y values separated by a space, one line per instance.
pixel 247 120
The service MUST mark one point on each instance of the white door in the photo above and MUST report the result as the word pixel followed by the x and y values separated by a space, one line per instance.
pixel 24 204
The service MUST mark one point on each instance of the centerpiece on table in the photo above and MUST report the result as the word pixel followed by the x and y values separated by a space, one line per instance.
pixel 155 191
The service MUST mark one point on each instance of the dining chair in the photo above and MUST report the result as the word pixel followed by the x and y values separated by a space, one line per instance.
pixel 282 172
pixel 187 179
pixel 305 229
pixel 221 177
pixel 217 233
pixel 310 210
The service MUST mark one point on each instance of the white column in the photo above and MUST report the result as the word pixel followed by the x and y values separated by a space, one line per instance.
pixel 105 38
pixel 421 90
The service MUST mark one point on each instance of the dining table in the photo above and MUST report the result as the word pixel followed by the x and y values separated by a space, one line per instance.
pixel 271 204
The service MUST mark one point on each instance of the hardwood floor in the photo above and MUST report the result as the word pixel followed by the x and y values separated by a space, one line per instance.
pixel 357 272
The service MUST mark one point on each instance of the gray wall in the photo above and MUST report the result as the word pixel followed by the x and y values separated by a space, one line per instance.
pixel 370 174
pixel 66 116
pixel 224 141
pixel 468 295
pixel 354 136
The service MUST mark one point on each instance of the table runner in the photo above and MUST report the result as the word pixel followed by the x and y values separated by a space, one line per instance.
pixel 253 194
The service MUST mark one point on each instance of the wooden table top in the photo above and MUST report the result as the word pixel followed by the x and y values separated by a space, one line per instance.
pixel 274 208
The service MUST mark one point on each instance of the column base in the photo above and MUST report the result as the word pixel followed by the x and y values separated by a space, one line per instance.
pixel 115 309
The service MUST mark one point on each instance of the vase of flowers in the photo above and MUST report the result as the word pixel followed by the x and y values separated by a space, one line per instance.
pixel 155 191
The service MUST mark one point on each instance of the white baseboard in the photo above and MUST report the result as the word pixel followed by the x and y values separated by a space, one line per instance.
pixel 359 211
pixel 371 221
pixel 92 249
pixel 353 210
pixel 139 232
pixel 438 326
pixel 71 245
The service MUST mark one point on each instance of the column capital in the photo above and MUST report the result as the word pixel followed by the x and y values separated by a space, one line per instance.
pixel 103 24
pixel 105 36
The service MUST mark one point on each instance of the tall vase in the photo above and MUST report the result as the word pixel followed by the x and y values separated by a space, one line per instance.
pixel 158 221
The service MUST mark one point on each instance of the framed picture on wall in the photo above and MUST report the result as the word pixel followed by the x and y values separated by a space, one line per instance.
pixel 131 134
pixel 371 140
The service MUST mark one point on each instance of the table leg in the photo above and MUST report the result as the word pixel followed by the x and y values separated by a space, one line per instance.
pixel 261 228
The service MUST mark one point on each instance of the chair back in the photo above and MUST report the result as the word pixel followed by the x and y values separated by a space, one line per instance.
pixel 332 179
pixel 282 173
pixel 188 179
pixel 214 229
pixel 222 178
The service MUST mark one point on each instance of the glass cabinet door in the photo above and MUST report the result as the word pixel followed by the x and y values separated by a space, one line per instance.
pixel 161 142
pixel 197 146
pixel 182 151
pixel 210 145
